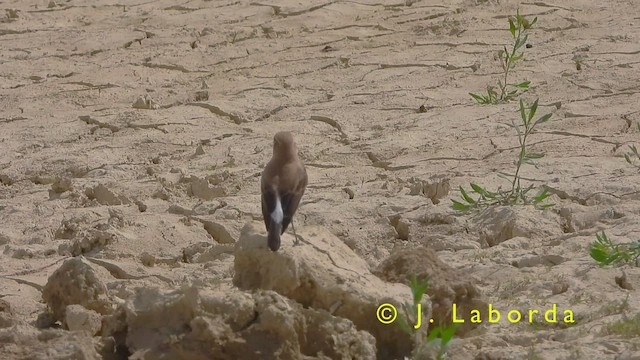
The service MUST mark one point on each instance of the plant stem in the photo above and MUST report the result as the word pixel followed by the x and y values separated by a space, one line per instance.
pixel 520 157
pixel 508 63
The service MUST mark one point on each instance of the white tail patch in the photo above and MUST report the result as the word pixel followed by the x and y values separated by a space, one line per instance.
pixel 277 215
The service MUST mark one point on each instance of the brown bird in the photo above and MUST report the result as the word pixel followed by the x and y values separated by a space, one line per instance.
pixel 283 183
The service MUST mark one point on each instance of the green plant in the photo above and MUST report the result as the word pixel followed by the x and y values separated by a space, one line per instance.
pixel 579 60
pixel 633 156
pixel 517 193
pixel 518 27
pixel 437 340
pixel 605 252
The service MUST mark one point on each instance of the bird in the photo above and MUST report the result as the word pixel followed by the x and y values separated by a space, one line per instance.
pixel 282 185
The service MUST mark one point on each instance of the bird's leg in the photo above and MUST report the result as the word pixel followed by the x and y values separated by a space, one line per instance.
pixel 296 242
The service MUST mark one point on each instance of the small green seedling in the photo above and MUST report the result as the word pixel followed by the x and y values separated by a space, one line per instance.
pixel 579 60
pixel 517 194
pixel 633 157
pixel 437 340
pixel 518 27
pixel 605 252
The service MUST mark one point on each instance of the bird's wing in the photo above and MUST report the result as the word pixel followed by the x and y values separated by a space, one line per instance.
pixel 268 205
pixel 291 200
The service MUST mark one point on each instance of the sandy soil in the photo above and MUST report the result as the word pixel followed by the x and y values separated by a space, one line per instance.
pixel 133 135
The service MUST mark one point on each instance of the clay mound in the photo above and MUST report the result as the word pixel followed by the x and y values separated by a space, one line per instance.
pixel 25 342
pixel 446 285
pixel 230 324
pixel 323 273
pixel 77 282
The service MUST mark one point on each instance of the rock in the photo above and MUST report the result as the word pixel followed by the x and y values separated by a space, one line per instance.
pixel 401 227
pixel 200 188
pixel 179 210
pixel 538 260
pixel 62 185
pixel 5 307
pixel 20 252
pixel 6 320
pixel 437 188
pixel 6 314
pixel 26 342
pixel 223 232
pixel 196 324
pixel 88 232
pixel 77 318
pixel 145 103
pixel 71 227
pixel 324 274
pixel 142 207
pixel 4 239
pixel 12 14
pixel 147 259
pixel 76 282
pixel 201 95
pixel 209 207
pixel 104 196
pixel 500 224
pixel 446 285
pixel 6 180
pixel 91 241
pixel 203 252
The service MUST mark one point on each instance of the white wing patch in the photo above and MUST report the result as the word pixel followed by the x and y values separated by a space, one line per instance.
pixel 277 215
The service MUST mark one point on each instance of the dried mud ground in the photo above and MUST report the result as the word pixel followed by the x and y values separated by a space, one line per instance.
pixel 133 135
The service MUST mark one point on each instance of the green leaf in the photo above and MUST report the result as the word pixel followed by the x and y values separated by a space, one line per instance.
pixel 522 113
pixel 418 288
pixel 479 98
pixel 517 57
pixel 533 109
pixel 517 127
pixel 480 190
pixel 434 334
pixel 542 195
pixel 477 188
pixel 520 42
pixel 543 119
pixel 468 198
pixel 447 334
pixel 598 255
pixel 460 206
pixel 535 20
pixel 603 239
pixel 523 85
pixel 626 157
pixel 533 156
pixel 512 28
pixel 404 325
pixel 519 17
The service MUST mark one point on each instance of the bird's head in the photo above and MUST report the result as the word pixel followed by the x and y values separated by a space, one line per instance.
pixel 284 145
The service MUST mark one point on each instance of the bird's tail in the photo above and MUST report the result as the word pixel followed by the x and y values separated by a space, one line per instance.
pixel 273 239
